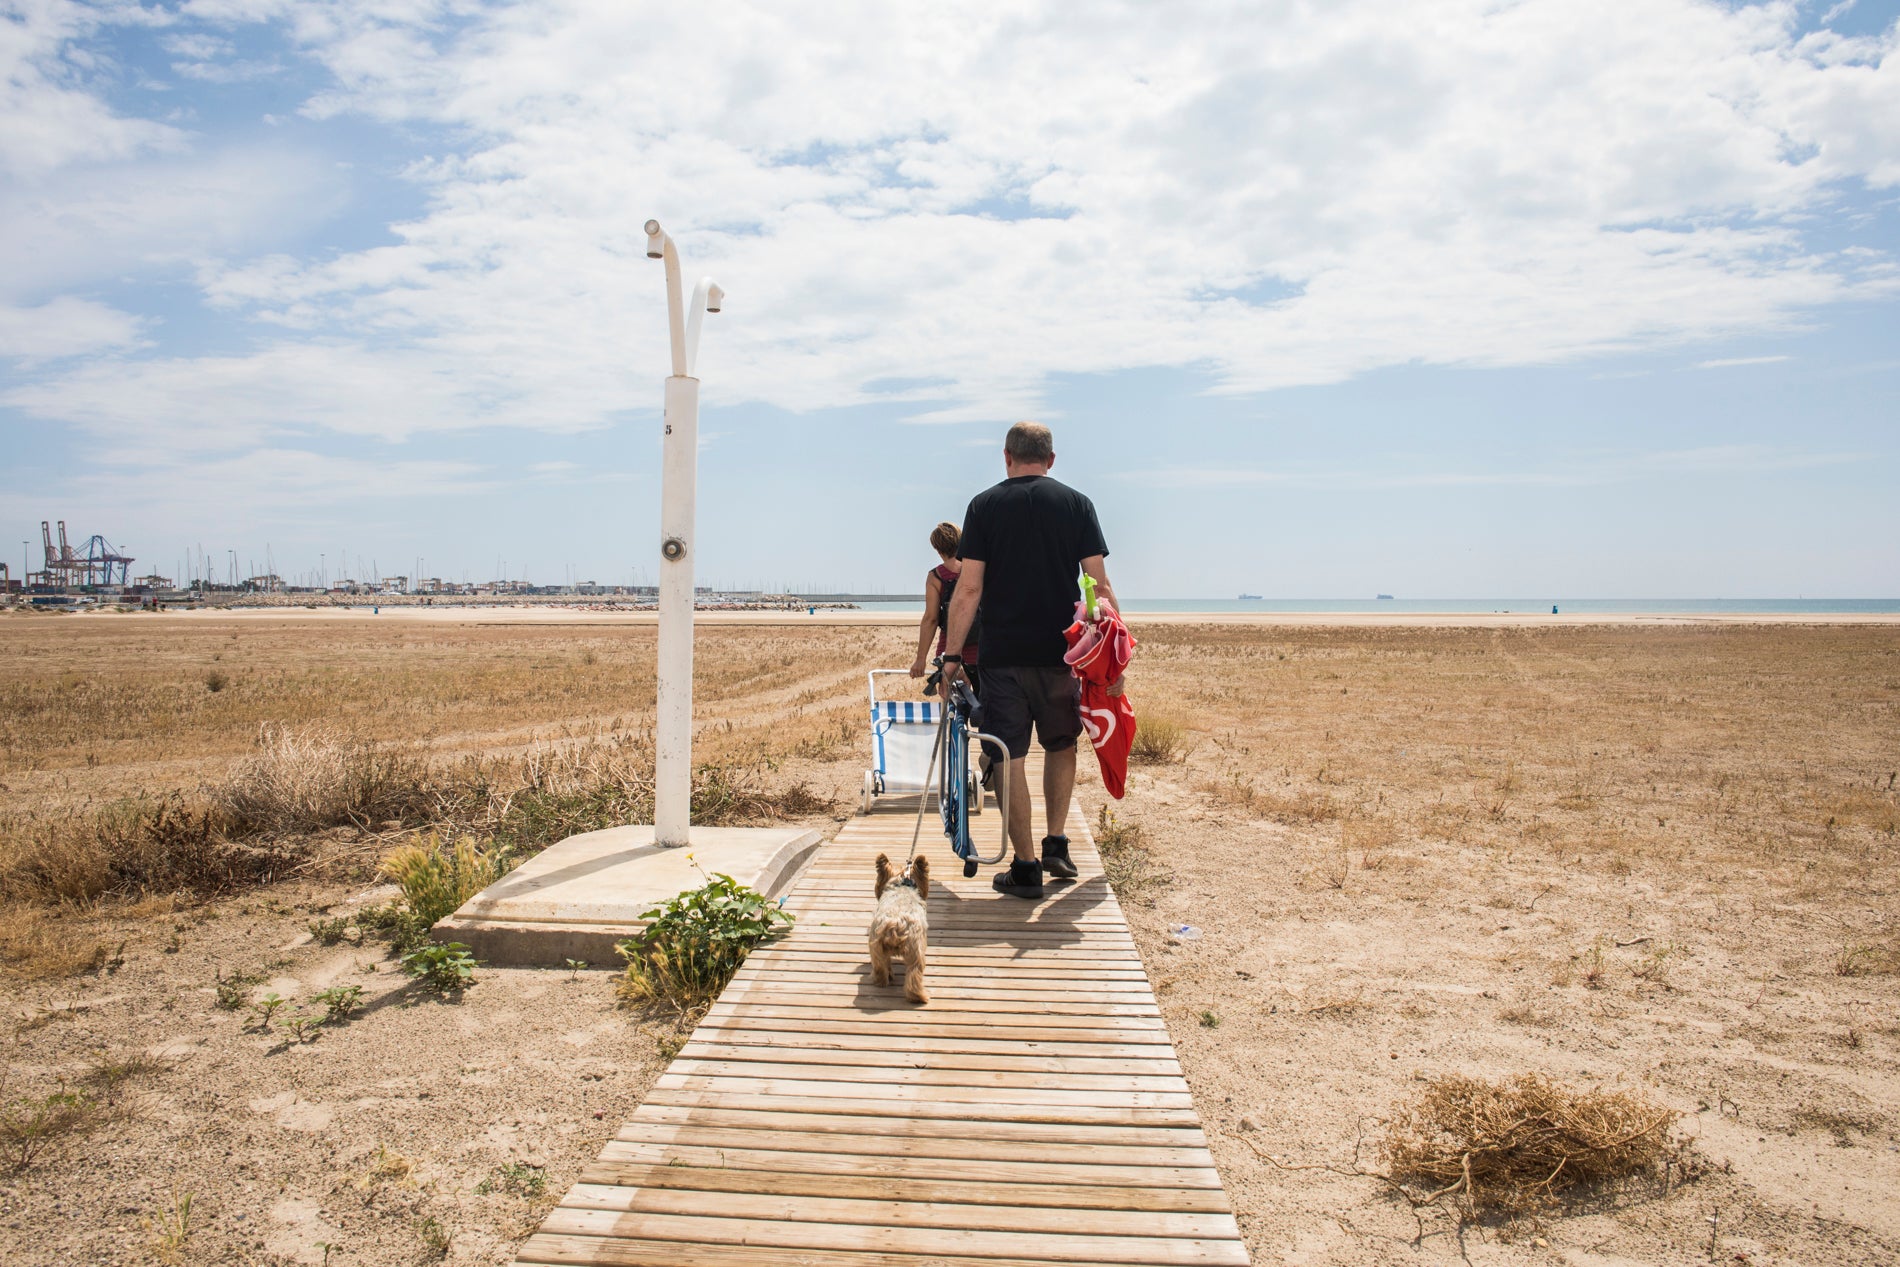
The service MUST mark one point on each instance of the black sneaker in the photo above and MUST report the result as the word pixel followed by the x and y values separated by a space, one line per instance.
pixel 1055 857
pixel 1023 879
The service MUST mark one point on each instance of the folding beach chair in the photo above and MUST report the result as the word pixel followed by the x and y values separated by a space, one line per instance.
pixel 903 738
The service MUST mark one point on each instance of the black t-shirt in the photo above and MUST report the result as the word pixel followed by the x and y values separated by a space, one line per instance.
pixel 1031 534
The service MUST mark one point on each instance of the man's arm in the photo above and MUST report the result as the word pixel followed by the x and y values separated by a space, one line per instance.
pixel 963 605
pixel 1097 571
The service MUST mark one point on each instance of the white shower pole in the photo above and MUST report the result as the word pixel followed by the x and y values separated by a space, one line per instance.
pixel 673 729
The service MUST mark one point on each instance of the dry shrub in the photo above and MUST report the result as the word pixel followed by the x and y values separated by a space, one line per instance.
pixel 1126 860
pixel 33 1126
pixel 1512 1146
pixel 308 778
pixel 725 796
pixel 252 828
pixel 1159 740
pixel 554 791
pixel 164 844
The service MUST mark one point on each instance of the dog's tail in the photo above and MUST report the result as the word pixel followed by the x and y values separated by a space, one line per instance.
pixel 885 874
pixel 920 876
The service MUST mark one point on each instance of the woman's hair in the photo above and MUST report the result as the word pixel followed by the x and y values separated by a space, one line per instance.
pixel 944 538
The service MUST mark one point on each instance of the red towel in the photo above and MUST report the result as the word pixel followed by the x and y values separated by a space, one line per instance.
pixel 1099 650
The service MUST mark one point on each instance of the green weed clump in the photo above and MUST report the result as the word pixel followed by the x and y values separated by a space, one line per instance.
pixel 446 969
pixel 694 943
pixel 436 878
pixel 517 1177
pixel 339 1001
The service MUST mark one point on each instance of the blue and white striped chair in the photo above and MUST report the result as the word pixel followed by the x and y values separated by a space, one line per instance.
pixel 903 734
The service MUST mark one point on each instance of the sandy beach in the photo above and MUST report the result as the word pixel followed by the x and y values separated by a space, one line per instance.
pixel 1643 853
pixel 568 615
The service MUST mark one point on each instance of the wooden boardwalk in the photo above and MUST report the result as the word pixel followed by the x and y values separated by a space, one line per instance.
pixel 1032 1113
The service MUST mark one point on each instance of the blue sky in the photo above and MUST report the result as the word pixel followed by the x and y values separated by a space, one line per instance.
pixel 1447 298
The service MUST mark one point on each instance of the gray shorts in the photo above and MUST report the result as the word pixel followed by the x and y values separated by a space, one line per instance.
pixel 1013 699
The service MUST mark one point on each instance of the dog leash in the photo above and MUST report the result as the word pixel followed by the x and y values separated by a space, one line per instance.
pixel 923 801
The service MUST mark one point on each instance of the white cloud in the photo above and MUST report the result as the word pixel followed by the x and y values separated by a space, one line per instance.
pixel 64 327
pixel 152 216
pixel 1587 470
pixel 982 199
pixel 51 117
pixel 279 483
pixel 1725 362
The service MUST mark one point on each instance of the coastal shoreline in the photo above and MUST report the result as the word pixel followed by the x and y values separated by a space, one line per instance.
pixel 552 614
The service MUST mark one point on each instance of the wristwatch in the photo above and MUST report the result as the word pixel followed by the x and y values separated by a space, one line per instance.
pixel 953 659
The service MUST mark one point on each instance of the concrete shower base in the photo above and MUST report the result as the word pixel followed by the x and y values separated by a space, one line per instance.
pixel 576 899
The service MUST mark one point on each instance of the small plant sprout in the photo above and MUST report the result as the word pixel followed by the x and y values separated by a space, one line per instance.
pixel 1593 966
pixel 444 969
pixel 266 1008
pixel 1209 1020
pixel 574 969
pixel 302 1026
pixel 339 1001
pixel 517 1177
pixel 330 931
pixel 172 1228
pixel 1654 967
pixel 435 1238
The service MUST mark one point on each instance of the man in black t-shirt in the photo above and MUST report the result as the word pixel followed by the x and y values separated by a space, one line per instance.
pixel 1024 541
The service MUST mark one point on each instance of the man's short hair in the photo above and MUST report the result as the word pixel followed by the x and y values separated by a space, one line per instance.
pixel 1029 443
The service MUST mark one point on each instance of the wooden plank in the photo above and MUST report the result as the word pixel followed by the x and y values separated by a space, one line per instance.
pixel 977 968
pixel 1003 1096
pixel 1072 1247
pixel 910 1189
pixel 780 1207
pixel 994 994
pixel 1056 1178
pixel 832 1039
pixel 909 1109
pixel 549 1250
pixel 909 1017
pixel 779 1053
pixel 927 1072
pixel 885 1000
pixel 1000 977
pixel 1098 1146
pixel 811 1118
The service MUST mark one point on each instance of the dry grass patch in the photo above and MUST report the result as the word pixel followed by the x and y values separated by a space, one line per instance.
pixel 1516 1145
pixel 1865 959
pixel 1238 791
pixel 1159 740
pixel 302 779
pixel 36 942
pixel 1126 859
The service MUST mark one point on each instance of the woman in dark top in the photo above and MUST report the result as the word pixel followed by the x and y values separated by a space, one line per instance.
pixel 939 585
